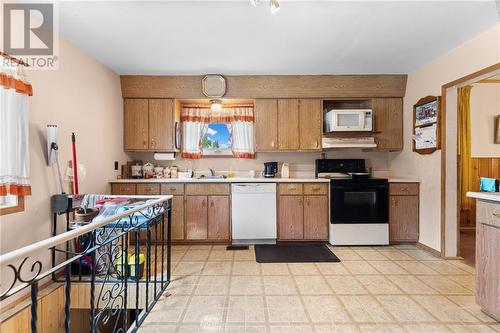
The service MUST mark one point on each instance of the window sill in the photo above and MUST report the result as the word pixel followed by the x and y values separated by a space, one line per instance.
pixel 14 209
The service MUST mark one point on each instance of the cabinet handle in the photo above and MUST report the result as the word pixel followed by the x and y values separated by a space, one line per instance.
pixel 212 204
pixel 272 144
pixel 203 203
pixel 144 143
pixel 152 142
pixel 300 202
pixel 316 144
pixel 308 202
pixel 497 215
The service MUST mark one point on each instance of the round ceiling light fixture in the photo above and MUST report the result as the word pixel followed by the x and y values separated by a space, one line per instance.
pixel 216 105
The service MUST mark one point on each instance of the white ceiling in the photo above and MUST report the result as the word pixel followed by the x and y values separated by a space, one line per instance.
pixel 304 37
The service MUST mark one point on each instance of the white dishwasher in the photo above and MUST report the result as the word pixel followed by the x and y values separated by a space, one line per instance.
pixel 253 213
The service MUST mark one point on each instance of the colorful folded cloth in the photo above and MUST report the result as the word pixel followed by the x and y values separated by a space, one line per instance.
pixel 487 184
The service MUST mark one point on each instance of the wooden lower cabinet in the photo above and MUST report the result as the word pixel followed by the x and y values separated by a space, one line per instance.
pixel 178 217
pixel 123 189
pixel 218 218
pixel 196 217
pixel 488 276
pixel 302 217
pixel 403 218
pixel 290 217
pixel 316 217
pixel 207 217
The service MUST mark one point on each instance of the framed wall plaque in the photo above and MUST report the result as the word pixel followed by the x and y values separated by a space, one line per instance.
pixel 426 125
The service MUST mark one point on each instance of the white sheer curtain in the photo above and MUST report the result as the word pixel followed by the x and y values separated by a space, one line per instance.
pixel 194 126
pixel 14 149
pixel 195 120
pixel 242 132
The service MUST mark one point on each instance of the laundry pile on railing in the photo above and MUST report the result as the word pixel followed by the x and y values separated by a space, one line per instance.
pixel 107 206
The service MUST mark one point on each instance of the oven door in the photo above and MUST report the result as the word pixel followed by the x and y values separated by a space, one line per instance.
pixel 353 203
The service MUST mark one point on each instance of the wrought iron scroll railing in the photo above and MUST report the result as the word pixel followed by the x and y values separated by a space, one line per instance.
pixel 119 266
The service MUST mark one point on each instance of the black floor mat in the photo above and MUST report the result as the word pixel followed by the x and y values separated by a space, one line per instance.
pixel 294 252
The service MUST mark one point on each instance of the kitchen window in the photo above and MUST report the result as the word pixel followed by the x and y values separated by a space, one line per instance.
pixel 228 132
pixel 10 204
pixel 217 140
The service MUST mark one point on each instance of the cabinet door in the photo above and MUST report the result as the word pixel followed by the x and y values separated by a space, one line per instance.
pixel 177 217
pixel 316 217
pixel 403 218
pixel 487 277
pixel 196 217
pixel 161 124
pixel 388 121
pixel 218 217
pixel 135 124
pixel 291 217
pixel 266 124
pixel 311 123
pixel 288 124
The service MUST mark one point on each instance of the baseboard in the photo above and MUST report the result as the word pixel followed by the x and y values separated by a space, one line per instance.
pixel 429 249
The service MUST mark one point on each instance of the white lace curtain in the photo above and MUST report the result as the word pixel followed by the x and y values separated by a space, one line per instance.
pixel 195 120
pixel 14 149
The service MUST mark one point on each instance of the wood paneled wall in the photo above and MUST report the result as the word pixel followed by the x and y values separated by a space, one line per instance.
pixel 480 167
pixel 268 86
pixel 50 315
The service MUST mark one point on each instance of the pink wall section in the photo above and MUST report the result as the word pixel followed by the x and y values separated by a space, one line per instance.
pixel 476 54
pixel 82 96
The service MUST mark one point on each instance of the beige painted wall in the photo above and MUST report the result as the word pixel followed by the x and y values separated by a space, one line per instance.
pixel 301 164
pixel 485 107
pixel 478 53
pixel 82 96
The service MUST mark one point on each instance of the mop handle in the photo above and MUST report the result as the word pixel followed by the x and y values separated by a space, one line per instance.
pixel 75 164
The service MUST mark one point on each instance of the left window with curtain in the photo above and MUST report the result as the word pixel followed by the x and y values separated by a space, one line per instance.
pixel 14 144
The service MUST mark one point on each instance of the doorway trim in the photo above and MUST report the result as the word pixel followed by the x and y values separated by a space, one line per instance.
pixel 444 88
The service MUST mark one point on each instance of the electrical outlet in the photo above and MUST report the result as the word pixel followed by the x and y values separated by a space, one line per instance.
pixel 116 165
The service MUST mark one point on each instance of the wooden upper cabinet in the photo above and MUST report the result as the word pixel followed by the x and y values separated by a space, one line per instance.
pixel 316 217
pixel 161 125
pixel 218 217
pixel 288 124
pixel 135 124
pixel 388 126
pixel 310 123
pixel 266 124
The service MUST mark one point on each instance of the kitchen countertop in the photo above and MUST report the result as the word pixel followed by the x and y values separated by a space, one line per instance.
pixel 489 196
pixel 243 180
pixel 223 180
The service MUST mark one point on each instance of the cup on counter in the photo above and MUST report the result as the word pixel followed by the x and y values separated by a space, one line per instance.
pixel 251 173
pixel 158 172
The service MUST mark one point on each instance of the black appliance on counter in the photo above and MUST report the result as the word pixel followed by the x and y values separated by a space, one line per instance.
pixel 359 203
pixel 270 169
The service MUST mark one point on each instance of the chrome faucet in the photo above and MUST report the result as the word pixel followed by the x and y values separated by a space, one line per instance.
pixel 212 172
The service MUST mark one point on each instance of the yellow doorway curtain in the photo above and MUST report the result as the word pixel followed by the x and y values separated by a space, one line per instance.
pixel 464 144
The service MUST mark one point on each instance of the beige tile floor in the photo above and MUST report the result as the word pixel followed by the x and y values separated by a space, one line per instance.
pixel 374 289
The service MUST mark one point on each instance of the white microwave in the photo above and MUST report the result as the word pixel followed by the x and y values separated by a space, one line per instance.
pixel 356 120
